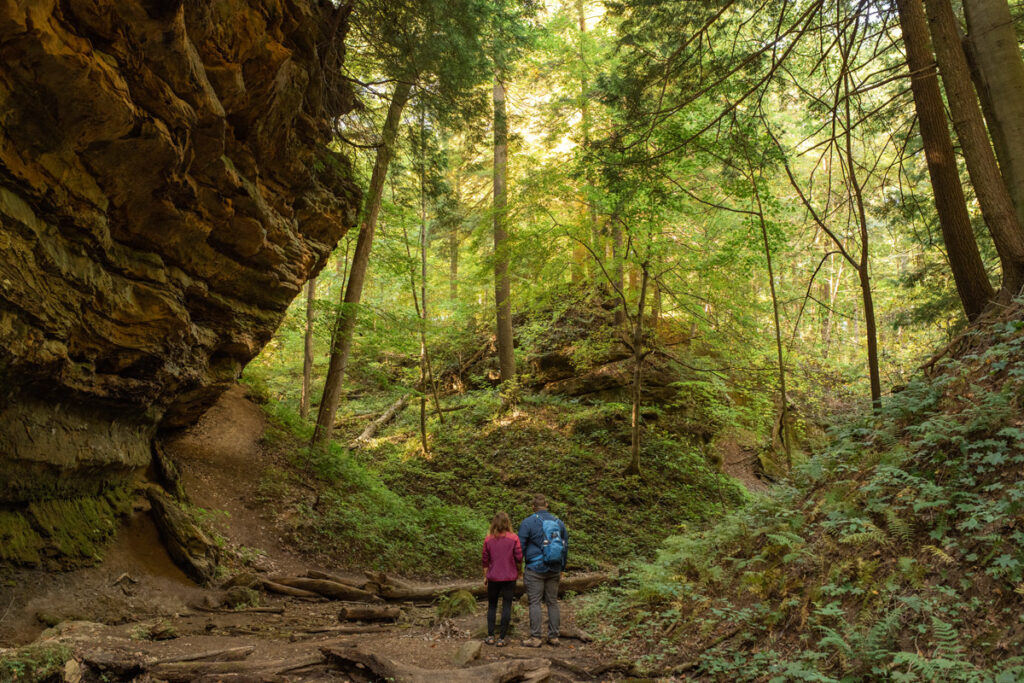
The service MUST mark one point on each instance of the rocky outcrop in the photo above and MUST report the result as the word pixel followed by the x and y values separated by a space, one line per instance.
pixel 166 188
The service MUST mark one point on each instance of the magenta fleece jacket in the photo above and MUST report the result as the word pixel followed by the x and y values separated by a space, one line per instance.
pixel 502 555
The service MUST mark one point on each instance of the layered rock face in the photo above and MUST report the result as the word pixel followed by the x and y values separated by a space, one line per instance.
pixel 165 190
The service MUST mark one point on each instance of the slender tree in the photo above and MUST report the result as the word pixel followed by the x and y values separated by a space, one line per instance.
pixel 307 356
pixel 502 285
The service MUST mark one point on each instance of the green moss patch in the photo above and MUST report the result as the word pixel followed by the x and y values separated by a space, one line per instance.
pixel 70 532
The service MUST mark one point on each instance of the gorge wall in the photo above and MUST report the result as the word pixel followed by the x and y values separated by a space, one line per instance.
pixel 166 188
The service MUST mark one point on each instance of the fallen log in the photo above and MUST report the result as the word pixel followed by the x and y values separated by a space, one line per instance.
pixel 325 588
pixel 355 583
pixel 371 429
pixel 190 671
pixel 574 634
pixel 353 660
pixel 346 630
pixel 351 418
pixel 369 613
pixel 275 587
pixel 245 610
pixel 577 583
pixel 382 579
pixel 230 654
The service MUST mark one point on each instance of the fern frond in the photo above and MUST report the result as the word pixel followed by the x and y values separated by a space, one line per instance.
pixel 898 527
pixel 940 554
pixel 864 537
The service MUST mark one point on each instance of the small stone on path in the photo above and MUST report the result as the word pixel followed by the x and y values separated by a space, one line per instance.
pixel 468 651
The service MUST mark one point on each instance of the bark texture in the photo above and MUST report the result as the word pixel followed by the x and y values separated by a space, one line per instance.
pixel 993 44
pixel 996 205
pixel 968 270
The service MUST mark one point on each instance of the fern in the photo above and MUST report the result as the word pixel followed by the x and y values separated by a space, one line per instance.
pixel 879 638
pixel 898 527
pixel 947 639
pixel 873 535
pixel 940 554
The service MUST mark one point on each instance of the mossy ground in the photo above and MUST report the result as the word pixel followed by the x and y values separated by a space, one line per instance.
pixel 392 507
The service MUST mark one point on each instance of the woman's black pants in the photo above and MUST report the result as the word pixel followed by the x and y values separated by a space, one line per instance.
pixel 507 590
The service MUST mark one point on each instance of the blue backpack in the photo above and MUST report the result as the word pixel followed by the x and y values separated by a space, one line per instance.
pixel 553 548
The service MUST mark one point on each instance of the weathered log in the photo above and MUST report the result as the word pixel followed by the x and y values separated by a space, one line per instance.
pixel 190 671
pixel 577 583
pixel 351 418
pixel 355 583
pixel 275 587
pixel 328 589
pixel 346 630
pixel 574 634
pixel 230 654
pixel 188 545
pixel 371 429
pixel 352 658
pixel 382 579
pixel 369 613
pixel 246 610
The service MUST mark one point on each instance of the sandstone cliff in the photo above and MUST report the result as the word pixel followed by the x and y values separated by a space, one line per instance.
pixel 165 190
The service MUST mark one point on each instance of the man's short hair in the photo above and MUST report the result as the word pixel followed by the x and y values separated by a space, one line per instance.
pixel 540 502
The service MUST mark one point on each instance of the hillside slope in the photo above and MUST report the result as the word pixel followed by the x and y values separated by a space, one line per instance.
pixel 895 554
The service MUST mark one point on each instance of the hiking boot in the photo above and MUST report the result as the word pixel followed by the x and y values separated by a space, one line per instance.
pixel 554 642
pixel 533 642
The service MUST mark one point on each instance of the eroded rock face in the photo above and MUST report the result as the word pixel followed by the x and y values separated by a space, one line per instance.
pixel 165 191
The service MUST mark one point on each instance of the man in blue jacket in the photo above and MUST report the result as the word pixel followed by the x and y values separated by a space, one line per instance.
pixel 542 575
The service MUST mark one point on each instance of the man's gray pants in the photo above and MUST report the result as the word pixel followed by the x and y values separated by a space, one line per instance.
pixel 543 586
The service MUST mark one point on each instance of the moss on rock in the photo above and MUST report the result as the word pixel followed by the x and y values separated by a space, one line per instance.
pixel 68 532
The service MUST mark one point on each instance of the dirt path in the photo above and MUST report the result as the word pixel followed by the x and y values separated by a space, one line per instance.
pixel 137 607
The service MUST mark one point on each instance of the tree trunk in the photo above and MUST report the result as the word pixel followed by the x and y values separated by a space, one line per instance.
pixel 993 197
pixel 345 325
pixel 993 42
pixel 862 267
pixel 502 287
pixel 638 361
pixel 784 432
pixel 968 270
pixel 307 357
pixel 617 266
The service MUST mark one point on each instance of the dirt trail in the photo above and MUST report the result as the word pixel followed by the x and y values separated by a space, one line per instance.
pixel 137 607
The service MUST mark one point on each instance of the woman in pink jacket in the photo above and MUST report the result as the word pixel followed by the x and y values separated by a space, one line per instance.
pixel 503 557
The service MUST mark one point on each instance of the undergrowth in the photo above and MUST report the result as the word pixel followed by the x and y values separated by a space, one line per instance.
pixel 896 554
pixel 390 507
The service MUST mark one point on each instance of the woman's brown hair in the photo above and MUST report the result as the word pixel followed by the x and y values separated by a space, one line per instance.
pixel 500 524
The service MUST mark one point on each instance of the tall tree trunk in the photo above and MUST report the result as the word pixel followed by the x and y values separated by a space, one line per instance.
pixel 968 270
pixel 584 104
pixel 453 243
pixel 618 259
pixel 502 287
pixel 307 356
pixel 638 362
pixel 345 324
pixel 862 267
pixel 784 430
pixel 996 205
pixel 993 44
